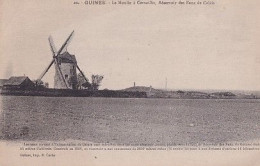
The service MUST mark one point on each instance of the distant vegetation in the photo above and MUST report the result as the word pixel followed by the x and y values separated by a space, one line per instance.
pixel 40 84
pixel 85 84
pixel 179 94
pixel 96 81
pixel 82 82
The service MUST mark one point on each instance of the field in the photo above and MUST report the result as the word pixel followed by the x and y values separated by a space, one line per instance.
pixel 135 121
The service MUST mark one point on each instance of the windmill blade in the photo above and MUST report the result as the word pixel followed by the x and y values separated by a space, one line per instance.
pixel 55 54
pixel 45 71
pixel 65 43
pixel 53 48
pixel 82 73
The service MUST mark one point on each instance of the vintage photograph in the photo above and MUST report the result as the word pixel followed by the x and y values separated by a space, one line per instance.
pixel 130 73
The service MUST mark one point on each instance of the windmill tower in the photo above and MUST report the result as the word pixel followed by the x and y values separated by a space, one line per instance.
pixel 67 64
pixel 65 67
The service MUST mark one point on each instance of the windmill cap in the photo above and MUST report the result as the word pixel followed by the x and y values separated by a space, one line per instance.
pixel 66 57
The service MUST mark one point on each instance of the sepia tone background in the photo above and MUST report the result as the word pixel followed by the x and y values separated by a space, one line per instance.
pixel 195 47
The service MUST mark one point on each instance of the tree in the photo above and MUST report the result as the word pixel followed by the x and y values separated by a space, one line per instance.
pixel 73 82
pixel 40 84
pixel 85 84
pixel 96 81
pixel 82 82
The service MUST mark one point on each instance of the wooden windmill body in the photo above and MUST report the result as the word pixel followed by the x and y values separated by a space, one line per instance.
pixel 65 67
pixel 67 64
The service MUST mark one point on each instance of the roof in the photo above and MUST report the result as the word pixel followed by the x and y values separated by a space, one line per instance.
pixel 67 58
pixel 2 81
pixel 15 80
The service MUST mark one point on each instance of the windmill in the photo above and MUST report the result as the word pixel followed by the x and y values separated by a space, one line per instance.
pixel 65 66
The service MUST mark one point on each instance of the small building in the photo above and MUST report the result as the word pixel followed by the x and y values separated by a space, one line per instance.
pixel 2 82
pixel 21 82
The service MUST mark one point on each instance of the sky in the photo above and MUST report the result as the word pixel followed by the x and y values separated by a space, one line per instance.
pixel 194 47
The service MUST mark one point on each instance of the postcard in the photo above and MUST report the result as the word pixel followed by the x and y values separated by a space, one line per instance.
pixel 129 82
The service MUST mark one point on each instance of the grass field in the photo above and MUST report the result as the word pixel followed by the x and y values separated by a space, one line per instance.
pixel 138 121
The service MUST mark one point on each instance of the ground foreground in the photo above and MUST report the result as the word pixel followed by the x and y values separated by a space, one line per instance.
pixel 134 121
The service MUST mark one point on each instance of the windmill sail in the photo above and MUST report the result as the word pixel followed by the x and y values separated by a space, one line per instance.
pixel 59 72
pixel 82 74
pixel 65 43
pixel 46 70
pixel 57 67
